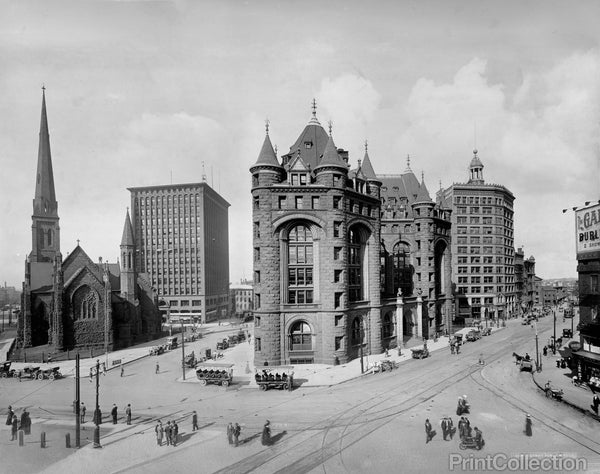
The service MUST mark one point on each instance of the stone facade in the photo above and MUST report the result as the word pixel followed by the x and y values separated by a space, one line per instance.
pixel 319 257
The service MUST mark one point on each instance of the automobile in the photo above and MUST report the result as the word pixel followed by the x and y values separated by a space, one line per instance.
pixel 473 335
pixel 51 374
pixel 157 350
pixel 222 345
pixel 280 377
pixel 28 372
pixel 486 331
pixel 190 360
pixel 171 342
pixel 214 372
pixel 420 353
pixel 5 370
pixel 567 333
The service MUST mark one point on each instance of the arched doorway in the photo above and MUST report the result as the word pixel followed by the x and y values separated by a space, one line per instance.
pixel 408 323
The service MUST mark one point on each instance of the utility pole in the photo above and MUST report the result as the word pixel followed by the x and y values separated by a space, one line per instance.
pixel 537 351
pixel 554 340
pixel 77 404
pixel 361 335
pixel 97 413
pixel 182 351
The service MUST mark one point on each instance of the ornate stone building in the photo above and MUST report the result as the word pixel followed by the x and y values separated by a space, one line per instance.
pixel 326 289
pixel 76 302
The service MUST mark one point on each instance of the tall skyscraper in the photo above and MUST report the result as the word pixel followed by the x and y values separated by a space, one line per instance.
pixel 181 231
pixel 482 246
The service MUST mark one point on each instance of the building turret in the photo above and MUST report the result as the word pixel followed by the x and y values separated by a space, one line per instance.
pixel 369 174
pixel 475 170
pixel 267 169
pixel 45 226
pixel 332 170
pixel 128 277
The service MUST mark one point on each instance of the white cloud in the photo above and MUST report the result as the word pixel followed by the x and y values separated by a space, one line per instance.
pixel 541 143
pixel 351 103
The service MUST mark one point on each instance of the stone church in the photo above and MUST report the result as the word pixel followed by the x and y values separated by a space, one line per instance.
pixel 346 262
pixel 77 302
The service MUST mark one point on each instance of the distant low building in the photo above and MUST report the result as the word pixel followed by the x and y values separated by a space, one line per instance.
pixel 242 299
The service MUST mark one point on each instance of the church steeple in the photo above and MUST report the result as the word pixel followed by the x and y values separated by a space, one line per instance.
pixel 45 228
pixel 45 197
pixel 128 276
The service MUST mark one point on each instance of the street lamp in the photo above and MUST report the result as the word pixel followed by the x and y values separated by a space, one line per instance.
pixel 106 315
pixel 537 352
pixel 554 339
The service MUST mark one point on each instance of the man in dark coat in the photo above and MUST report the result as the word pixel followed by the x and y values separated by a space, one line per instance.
pixel 451 429
pixel 14 428
pixel 9 416
pixel 444 425
pixel 429 432
pixel 237 429
pixel 194 421
pixel 528 428
pixel 168 433
pixel 113 412
pixel 128 413
pixel 174 433
pixel 230 433
pixel 266 434
pixel 595 404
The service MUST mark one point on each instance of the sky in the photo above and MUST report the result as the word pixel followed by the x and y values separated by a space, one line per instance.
pixel 144 93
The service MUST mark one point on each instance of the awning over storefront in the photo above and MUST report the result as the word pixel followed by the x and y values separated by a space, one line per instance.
pixel 588 356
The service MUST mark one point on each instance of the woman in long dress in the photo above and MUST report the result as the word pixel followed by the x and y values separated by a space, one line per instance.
pixel 266 434
pixel 528 430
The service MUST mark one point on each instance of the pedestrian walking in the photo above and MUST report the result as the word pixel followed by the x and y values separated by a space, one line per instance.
pixel 237 429
pixel 14 427
pixel 122 370
pixel 128 413
pixel 194 421
pixel 444 425
pixel 547 388
pixel 451 428
pixel 9 416
pixel 452 346
pixel 103 368
pixel 459 407
pixel 595 403
pixel 230 433
pixel 429 431
pixel 461 428
pixel 113 412
pixel 174 433
pixel 528 430
pixel 159 430
pixel 457 347
pixel 157 368
pixel 19 375
pixel 82 412
pixel 168 433
pixel 266 434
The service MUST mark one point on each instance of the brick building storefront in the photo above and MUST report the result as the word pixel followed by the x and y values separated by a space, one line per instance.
pixel 320 257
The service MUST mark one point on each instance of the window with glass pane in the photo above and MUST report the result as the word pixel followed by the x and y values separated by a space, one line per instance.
pixel 300 266
pixel 354 266
pixel 300 337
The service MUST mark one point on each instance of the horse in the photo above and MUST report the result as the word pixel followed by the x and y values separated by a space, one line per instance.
pixel 517 357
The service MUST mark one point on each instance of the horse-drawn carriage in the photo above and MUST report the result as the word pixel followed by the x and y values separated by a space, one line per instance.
pixel 214 372
pixel 281 377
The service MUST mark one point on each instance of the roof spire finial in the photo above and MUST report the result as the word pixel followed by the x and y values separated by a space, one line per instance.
pixel 43 88
pixel 203 173
pixel 314 108
pixel 267 125
pixel 366 146
pixel 441 185
pixel 330 124
pixel 422 176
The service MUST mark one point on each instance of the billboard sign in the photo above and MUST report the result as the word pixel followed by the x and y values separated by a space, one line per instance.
pixel 587 227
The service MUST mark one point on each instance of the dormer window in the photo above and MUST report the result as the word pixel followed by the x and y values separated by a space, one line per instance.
pixel 308 145
pixel 299 179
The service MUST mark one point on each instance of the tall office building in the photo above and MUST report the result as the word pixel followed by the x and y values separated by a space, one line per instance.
pixel 482 247
pixel 181 231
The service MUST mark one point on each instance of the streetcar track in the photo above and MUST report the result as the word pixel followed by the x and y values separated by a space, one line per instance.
pixel 565 431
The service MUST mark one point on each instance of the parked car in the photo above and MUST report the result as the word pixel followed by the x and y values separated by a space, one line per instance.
pixel 420 353
pixel 51 374
pixel 473 335
pixel 5 370
pixel 171 342
pixel 28 372
pixel 486 331
pixel 567 333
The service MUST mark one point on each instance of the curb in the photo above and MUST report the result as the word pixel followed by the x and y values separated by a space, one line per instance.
pixel 585 411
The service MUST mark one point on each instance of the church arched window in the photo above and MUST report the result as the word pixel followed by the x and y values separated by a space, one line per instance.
pixel 85 303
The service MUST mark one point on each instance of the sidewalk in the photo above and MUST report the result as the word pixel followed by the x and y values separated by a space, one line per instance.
pixel 579 398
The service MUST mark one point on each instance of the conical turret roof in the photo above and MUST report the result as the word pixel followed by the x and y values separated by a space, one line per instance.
pixel 367 168
pixel 423 195
pixel 127 239
pixel 331 158
pixel 267 156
